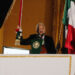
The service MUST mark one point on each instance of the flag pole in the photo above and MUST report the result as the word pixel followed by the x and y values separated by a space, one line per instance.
pixel 20 13
pixel 19 26
pixel 60 32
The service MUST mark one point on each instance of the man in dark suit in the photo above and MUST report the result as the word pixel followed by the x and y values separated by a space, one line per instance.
pixel 47 44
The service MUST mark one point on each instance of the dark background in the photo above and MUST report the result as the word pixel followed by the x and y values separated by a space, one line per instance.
pixel 4 7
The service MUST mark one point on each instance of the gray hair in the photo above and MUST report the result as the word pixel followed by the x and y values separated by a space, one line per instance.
pixel 37 26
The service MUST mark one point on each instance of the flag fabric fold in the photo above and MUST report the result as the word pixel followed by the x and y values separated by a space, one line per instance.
pixel 69 20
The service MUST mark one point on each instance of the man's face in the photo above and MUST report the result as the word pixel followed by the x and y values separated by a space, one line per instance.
pixel 41 29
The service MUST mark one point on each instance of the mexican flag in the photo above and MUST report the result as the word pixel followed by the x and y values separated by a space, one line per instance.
pixel 69 20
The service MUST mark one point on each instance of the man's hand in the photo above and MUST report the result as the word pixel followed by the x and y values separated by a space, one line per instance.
pixel 18 36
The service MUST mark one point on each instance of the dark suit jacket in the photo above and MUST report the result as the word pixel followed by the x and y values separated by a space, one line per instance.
pixel 49 44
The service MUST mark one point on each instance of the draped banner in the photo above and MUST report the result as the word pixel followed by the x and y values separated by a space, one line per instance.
pixel 37 65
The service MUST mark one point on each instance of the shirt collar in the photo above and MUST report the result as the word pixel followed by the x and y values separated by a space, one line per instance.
pixel 42 36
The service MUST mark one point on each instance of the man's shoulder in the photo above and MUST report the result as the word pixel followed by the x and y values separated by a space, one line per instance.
pixel 48 37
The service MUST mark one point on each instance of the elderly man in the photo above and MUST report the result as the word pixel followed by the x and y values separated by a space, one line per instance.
pixel 47 46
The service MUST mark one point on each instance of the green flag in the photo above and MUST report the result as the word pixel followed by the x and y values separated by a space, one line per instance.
pixel 65 17
pixel 66 8
pixel 69 19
